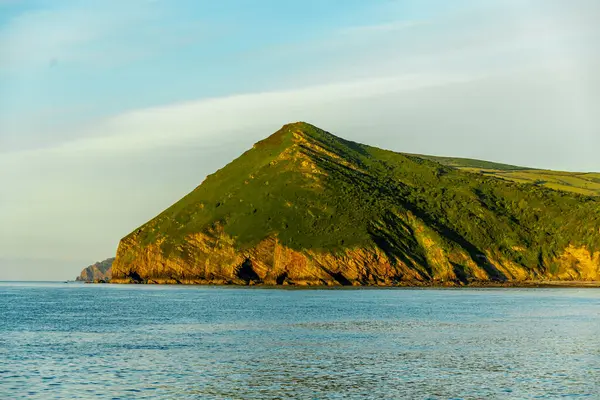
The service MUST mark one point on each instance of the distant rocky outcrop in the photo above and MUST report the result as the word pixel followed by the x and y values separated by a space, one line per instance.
pixel 101 271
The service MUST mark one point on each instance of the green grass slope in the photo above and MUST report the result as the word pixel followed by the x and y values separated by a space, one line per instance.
pixel 320 194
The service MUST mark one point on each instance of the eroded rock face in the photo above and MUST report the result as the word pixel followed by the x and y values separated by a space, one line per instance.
pixel 270 263
pixel 304 207
pixel 97 272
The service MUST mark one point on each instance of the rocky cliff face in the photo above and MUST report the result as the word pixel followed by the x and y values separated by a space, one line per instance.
pixel 304 207
pixel 214 260
pixel 98 272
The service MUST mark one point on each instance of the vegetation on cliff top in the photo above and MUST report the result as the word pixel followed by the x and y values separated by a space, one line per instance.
pixel 315 191
pixel 586 183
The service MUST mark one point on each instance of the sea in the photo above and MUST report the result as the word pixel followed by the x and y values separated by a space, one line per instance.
pixel 78 341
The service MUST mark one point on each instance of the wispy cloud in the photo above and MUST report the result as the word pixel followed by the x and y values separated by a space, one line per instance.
pixel 172 125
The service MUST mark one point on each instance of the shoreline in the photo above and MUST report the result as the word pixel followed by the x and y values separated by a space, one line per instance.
pixel 403 285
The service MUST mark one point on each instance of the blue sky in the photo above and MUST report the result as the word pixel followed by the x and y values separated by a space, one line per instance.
pixel 69 61
pixel 112 110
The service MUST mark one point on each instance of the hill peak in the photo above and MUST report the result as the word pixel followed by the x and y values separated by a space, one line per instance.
pixel 299 125
pixel 290 133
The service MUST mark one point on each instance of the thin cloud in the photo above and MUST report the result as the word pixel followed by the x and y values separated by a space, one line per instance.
pixel 171 125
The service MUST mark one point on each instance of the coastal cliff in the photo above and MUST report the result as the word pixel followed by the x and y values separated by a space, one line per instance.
pixel 305 207
pixel 100 271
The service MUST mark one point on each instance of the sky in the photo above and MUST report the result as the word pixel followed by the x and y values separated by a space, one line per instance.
pixel 110 111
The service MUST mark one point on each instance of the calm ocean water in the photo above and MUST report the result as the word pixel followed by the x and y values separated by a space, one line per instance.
pixel 117 342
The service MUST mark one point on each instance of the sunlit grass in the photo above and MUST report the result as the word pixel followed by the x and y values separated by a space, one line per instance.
pixel 581 183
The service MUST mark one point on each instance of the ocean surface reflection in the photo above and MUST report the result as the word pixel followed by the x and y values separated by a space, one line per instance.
pixel 106 341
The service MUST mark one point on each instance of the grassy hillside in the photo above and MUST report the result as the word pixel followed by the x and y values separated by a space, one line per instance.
pixel 321 196
pixel 577 182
